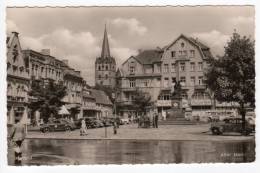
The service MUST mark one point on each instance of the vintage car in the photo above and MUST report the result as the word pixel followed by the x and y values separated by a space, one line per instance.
pixel 230 125
pixel 90 122
pixel 58 125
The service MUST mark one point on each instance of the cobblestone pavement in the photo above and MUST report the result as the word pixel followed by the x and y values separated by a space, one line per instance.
pixel 165 132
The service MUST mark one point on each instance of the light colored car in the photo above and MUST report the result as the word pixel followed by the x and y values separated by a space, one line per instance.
pixel 125 120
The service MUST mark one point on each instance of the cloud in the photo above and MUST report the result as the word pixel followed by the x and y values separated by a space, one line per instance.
pixel 133 25
pixel 80 48
pixel 11 26
pixel 214 39
pixel 242 20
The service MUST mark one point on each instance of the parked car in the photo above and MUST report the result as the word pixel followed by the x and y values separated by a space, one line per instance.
pixel 58 125
pixel 98 123
pixel 230 125
pixel 90 123
pixel 125 120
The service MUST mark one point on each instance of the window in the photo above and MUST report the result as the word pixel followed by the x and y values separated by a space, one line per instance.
pixel 102 67
pixel 132 83
pixel 183 81
pixel 182 44
pixel 106 67
pixel 132 69
pixel 173 68
pixel 180 52
pixel 185 52
pixel 192 53
pixel 200 80
pixel 173 81
pixel 106 76
pixel 192 66
pixel 192 80
pixel 166 68
pixel 146 83
pixel 182 67
pixel 166 97
pixel 42 69
pixel 173 53
pixel 200 66
pixel 166 82
pixel 99 67
pixel 99 77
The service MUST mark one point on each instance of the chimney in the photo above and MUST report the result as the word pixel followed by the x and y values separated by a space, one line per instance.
pixel 65 61
pixel 15 33
pixel 46 51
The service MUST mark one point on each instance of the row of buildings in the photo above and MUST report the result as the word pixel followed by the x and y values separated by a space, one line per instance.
pixel 156 71
pixel 25 66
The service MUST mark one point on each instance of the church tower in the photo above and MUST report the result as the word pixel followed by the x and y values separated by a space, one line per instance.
pixel 105 66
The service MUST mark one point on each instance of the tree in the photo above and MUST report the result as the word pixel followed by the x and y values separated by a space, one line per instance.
pixel 141 100
pixel 47 98
pixel 232 77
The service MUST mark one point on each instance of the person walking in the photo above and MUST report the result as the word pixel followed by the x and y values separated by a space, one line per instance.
pixel 83 130
pixel 18 135
pixel 156 117
pixel 115 127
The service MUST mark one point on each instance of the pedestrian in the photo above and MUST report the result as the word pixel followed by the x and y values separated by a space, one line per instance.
pixel 156 120
pixel 83 130
pixel 18 135
pixel 115 127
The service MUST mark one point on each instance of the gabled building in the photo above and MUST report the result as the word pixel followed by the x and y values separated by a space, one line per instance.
pixel 157 71
pixel 143 72
pixel 105 66
pixel 18 81
pixel 185 60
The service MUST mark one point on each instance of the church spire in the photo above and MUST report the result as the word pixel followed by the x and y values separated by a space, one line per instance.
pixel 105 47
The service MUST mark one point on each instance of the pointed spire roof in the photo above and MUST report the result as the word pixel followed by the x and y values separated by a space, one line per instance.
pixel 105 47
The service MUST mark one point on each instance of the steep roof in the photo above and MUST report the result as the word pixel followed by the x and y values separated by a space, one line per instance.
pixel 149 56
pixel 101 97
pixel 205 50
pixel 105 46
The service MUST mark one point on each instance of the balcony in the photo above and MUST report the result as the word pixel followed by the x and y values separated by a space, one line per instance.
pixel 200 87
pixel 128 89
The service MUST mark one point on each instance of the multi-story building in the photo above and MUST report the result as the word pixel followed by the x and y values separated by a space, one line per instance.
pixel 157 71
pixel 105 66
pixel 143 72
pixel 18 81
pixel 185 60
pixel 44 68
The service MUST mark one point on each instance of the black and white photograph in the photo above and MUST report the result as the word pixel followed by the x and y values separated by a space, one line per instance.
pixel 96 85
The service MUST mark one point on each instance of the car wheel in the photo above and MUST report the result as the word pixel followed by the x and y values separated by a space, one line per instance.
pixel 215 131
pixel 67 129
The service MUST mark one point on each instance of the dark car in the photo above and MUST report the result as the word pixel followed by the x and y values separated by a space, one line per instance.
pixel 98 123
pixel 230 125
pixel 58 125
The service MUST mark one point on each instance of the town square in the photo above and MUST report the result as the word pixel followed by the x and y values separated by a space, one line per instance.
pixel 130 85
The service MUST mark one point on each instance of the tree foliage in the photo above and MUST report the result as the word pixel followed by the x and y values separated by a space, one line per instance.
pixel 141 100
pixel 232 77
pixel 47 98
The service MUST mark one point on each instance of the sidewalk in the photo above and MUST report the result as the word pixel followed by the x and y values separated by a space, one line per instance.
pixel 131 132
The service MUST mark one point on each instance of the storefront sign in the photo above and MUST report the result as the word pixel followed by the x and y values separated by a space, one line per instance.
pixel 205 102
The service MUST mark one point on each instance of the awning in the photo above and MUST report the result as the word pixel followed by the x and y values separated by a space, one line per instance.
pixel 63 111
pixel 72 105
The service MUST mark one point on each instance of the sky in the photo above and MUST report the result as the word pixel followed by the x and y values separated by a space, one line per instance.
pixel 76 33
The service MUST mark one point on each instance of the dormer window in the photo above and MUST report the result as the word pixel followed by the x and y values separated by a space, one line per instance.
pixel 182 44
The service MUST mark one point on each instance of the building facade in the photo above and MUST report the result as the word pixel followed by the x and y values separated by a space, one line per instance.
pixel 157 71
pixel 18 81
pixel 142 72
pixel 105 66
